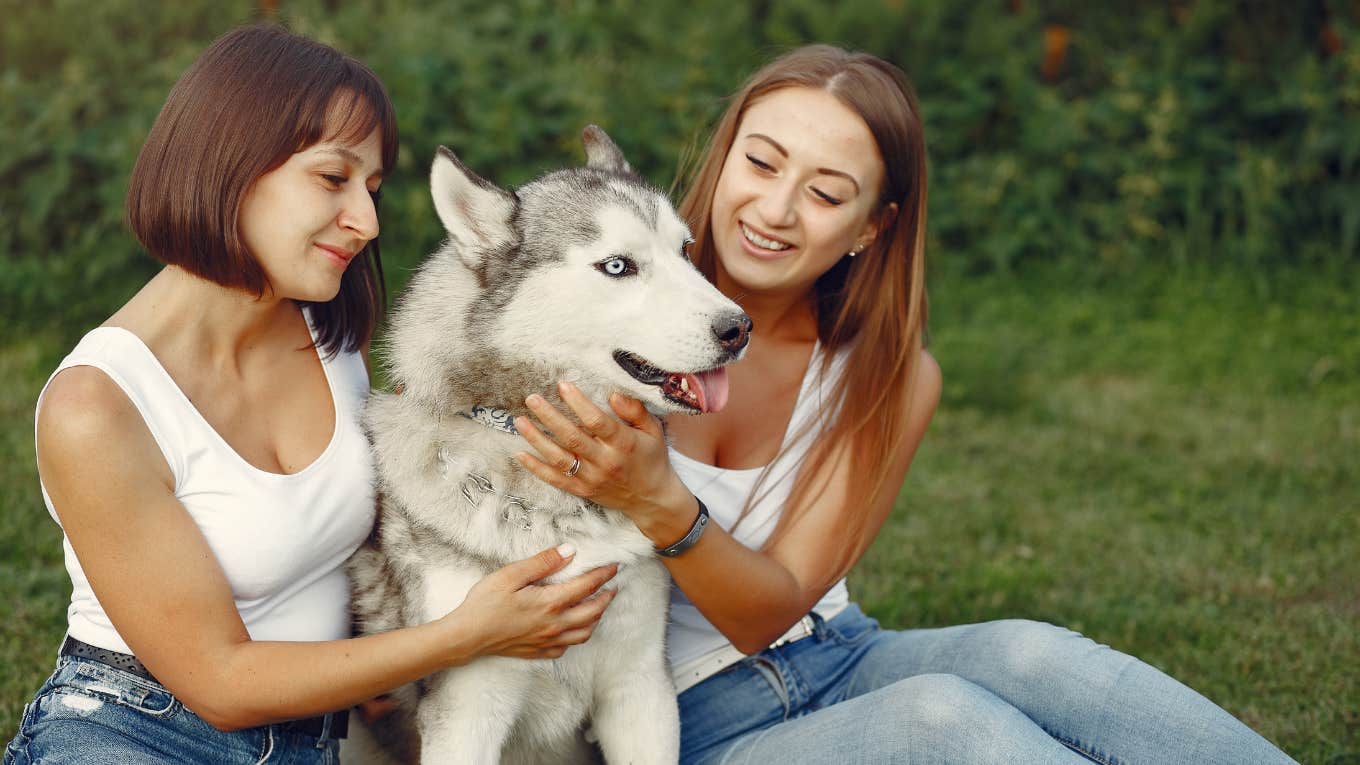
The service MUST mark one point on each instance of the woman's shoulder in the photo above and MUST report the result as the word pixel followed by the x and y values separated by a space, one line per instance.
pixel 929 377
pixel 84 413
pixel 85 400
pixel 925 398
pixel 927 382
pixel 924 389
pixel 88 403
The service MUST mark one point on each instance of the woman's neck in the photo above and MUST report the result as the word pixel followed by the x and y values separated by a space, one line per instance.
pixel 788 315
pixel 179 308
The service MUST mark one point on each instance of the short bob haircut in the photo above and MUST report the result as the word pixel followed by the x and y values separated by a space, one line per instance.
pixel 255 97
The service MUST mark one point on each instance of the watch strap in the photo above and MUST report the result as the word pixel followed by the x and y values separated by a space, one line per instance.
pixel 691 537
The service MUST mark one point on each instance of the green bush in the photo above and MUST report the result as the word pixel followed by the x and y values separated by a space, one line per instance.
pixel 1217 131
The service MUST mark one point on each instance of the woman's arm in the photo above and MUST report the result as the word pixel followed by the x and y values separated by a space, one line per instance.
pixel 165 592
pixel 751 596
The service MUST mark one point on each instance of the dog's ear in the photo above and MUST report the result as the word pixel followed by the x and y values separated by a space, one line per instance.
pixel 474 211
pixel 602 152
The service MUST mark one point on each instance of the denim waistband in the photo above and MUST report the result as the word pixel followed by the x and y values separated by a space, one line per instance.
pixel 323 726
pixel 697 670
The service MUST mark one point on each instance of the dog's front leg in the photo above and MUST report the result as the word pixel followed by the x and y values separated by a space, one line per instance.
pixel 637 720
pixel 466 717
pixel 635 714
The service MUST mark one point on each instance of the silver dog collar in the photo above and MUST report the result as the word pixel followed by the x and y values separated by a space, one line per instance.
pixel 490 416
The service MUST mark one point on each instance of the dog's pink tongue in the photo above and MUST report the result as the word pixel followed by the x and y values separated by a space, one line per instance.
pixel 712 388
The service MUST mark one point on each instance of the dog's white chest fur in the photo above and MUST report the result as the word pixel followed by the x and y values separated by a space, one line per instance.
pixel 439 540
pixel 514 710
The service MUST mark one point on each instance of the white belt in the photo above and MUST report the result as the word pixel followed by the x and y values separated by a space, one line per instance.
pixel 695 671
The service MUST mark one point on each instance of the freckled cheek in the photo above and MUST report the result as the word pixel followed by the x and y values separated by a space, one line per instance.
pixel 722 203
pixel 723 216
pixel 826 230
pixel 735 189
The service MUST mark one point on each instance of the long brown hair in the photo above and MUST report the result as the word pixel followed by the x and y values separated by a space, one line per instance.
pixel 256 96
pixel 871 307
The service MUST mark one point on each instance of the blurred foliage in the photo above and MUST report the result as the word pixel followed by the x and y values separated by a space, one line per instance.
pixel 1218 131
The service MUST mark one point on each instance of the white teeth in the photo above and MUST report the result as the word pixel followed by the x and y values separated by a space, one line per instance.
pixel 684 384
pixel 761 241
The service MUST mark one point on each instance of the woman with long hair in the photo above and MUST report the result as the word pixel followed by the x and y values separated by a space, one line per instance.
pixel 202 451
pixel 809 210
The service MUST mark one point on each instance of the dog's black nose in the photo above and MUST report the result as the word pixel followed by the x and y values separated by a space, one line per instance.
pixel 733 332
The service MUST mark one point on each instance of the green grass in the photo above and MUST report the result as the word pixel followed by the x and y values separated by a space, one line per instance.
pixel 32 578
pixel 1165 462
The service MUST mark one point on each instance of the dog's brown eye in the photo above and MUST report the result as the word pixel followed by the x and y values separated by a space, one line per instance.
pixel 684 249
pixel 617 267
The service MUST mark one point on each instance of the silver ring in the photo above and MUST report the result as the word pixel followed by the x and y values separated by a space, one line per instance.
pixel 575 466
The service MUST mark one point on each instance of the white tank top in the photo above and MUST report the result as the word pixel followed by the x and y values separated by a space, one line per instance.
pixel 725 493
pixel 282 540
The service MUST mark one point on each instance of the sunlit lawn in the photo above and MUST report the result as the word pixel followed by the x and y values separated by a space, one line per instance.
pixel 1170 466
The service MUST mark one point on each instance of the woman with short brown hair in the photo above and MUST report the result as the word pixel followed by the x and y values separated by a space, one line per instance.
pixel 202 448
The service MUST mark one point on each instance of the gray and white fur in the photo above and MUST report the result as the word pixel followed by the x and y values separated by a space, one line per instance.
pixel 548 282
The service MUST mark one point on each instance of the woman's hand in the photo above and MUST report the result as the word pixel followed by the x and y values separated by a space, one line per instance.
pixel 623 460
pixel 509 613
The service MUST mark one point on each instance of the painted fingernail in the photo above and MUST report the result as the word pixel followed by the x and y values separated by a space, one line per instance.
pixel 566 549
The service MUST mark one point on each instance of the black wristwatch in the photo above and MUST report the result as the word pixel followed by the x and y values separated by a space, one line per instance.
pixel 691 537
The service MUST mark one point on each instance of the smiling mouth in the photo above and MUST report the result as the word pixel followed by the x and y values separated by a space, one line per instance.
pixel 774 245
pixel 344 256
pixel 704 391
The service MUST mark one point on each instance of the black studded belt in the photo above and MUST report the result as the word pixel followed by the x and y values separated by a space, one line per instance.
pixel 311 726
pixel 124 661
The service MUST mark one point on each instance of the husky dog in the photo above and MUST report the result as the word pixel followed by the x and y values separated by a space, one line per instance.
pixel 580 275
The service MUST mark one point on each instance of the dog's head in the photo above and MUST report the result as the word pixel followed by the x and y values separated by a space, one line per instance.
pixel 582 274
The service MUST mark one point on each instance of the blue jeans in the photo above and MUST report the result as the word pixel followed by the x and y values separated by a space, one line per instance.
pixel 1006 691
pixel 89 712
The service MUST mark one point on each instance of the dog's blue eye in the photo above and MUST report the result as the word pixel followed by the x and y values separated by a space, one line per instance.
pixel 617 267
